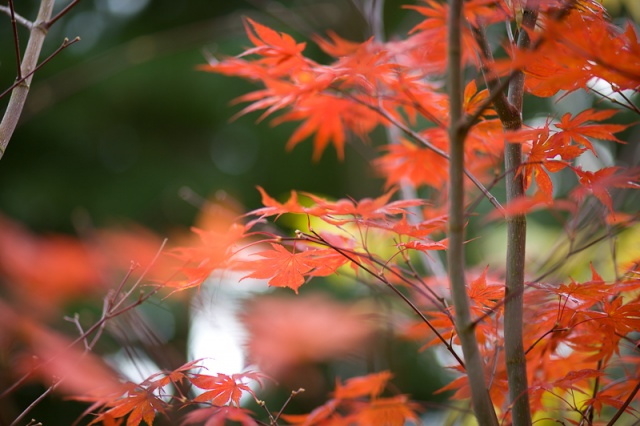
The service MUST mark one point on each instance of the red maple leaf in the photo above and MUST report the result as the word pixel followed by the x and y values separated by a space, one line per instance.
pixel 358 402
pixel 223 389
pixel 284 268
pixel 546 154
pixel 599 183
pixel 406 162
pixel 273 207
pixel 370 385
pixel 366 210
pixel 329 117
pixel 425 246
pixel 324 414
pixel 393 411
pixel 140 404
pixel 575 129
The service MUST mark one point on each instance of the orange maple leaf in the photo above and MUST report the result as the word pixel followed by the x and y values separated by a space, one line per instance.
pixel 176 376
pixel 223 389
pixel 273 207
pixel 358 402
pixel 408 163
pixel 366 210
pixel 525 204
pixel 575 129
pixel 484 295
pixel 46 271
pixel 574 378
pixel 284 268
pixel 433 32
pixel 545 155
pixel 323 415
pixel 269 42
pixel 337 46
pixel 394 411
pixel 139 403
pixel 370 385
pixel 474 99
pixel 599 183
pixel 213 251
pixel 329 117
pixel 424 245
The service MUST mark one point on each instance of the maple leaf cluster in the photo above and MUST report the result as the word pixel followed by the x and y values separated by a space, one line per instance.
pixel 358 401
pixel 568 330
pixel 571 342
pixel 580 337
pixel 140 402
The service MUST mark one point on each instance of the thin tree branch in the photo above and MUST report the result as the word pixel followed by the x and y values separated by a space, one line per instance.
pixel 291 395
pixel 65 43
pixel 19 19
pixel 375 18
pixel 110 311
pixel 416 136
pixel 624 406
pixel 16 40
pixel 60 14
pixel 36 401
pixel 19 93
pixel 379 276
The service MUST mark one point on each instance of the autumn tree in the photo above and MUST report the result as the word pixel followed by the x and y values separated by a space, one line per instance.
pixel 527 340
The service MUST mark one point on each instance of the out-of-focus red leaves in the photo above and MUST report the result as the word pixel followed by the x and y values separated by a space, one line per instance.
pixel 358 402
pixel 50 356
pixel 218 416
pixel 45 270
pixel 47 356
pixel 371 385
pixel 120 248
pixel 209 246
pixel 285 332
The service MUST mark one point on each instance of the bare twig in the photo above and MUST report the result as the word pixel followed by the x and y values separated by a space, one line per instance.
pixel 65 43
pixel 60 14
pixel 379 276
pixel 291 395
pixel 19 93
pixel 16 40
pixel 624 406
pixel 76 321
pixel 19 19
pixel 110 311
pixel 36 402
pixel 416 136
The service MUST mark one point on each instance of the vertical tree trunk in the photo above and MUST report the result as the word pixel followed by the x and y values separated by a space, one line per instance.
pixel 509 110
pixel 515 262
pixel 482 405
